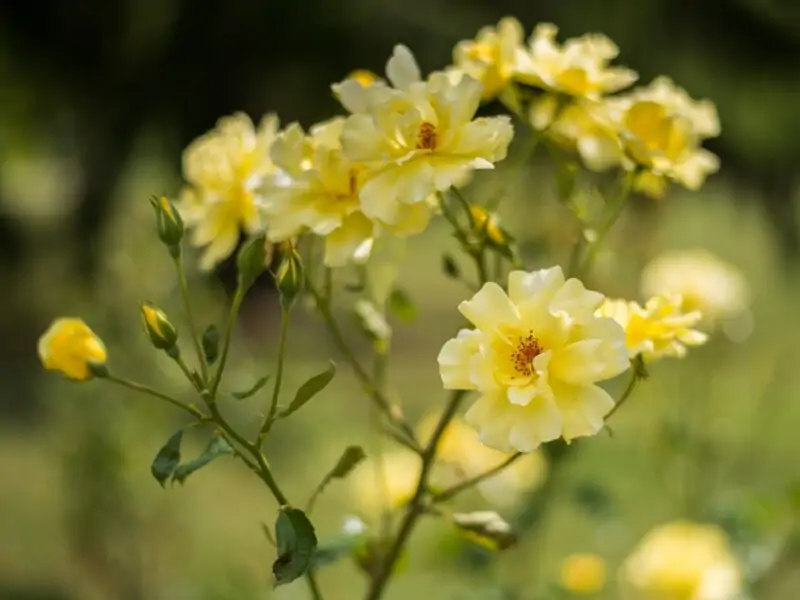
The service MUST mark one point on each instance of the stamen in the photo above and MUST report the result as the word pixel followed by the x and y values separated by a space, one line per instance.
pixel 426 136
pixel 527 349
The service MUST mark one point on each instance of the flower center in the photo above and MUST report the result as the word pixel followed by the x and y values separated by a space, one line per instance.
pixel 426 136
pixel 525 351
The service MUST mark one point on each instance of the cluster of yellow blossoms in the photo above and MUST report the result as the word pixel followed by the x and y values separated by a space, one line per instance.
pixel 656 131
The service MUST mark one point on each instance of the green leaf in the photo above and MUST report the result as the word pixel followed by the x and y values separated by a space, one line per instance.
pixel 309 389
pixel 167 458
pixel 334 549
pixel 486 528
pixel 297 544
pixel 348 461
pixel 450 267
pixel 402 306
pixel 256 386
pixel 211 344
pixel 218 446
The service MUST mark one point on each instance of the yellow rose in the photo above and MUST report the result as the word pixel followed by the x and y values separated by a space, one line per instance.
pixel 658 329
pixel 583 574
pixel 535 356
pixel 69 346
pixel 386 482
pixel 683 561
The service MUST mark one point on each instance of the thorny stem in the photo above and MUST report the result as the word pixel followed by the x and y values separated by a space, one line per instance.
pixel 276 388
pixel 238 297
pixel 391 411
pixel 201 358
pixel 416 507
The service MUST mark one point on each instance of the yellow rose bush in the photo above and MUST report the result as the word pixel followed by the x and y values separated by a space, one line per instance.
pixel 541 360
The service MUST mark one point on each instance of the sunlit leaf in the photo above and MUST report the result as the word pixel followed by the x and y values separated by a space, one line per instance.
pixel 254 389
pixel 486 528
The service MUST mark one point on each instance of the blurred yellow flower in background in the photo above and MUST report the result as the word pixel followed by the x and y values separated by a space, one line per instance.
pixel 577 69
pixel 658 329
pixel 224 170
pixel 493 56
pixel 68 346
pixel 418 137
pixel 386 482
pixel 583 574
pixel 587 127
pixel 683 561
pixel 461 456
pixel 535 355
pixel 705 283
pixel 662 129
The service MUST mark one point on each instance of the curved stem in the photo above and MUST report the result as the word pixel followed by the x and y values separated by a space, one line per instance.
pixel 313 586
pixel 416 507
pixel 132 385
pixel 276 388
pixel 201 358
pixel 391 411
pixel 450 492
pixel 238 297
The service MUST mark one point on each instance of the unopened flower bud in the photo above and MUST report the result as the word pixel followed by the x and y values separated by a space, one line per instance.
pixel 290 278
pixel 168 222
pixel 486 225
pixel 71 348
pixel 161 332
pixel 251 261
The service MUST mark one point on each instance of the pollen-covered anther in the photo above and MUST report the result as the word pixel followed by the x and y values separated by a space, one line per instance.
pixel 526 350
pixel 426 136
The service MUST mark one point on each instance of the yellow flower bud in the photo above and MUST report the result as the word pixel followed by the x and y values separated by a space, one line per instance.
pixel 158 328
pixel 251 261
pixel 486 224
pixel 69 346
pixel 364 77
pixel 168 222
pixel 290 278
pixel 583 573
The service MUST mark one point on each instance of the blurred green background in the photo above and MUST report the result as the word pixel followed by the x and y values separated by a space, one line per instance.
pixel 98 100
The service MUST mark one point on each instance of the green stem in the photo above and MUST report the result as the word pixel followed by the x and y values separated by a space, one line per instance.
pixel 633 383
pixel 613 211
pixel 417 506
pixel 201 358
pixel 276 388
pixel 186 371
pixel 313 586
pixel 132 385
pixel 450 492
pixel 391 411
pixel 238 297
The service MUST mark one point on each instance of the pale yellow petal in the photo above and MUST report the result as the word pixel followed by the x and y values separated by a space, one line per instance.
pixel 490 308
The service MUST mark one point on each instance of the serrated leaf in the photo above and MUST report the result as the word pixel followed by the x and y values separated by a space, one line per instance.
pixel 218 446
pixel 486 528
pixel 450 267
pixel 349 459
pixel 256 386
pixel 297 544
pixel 211 344
pixel 167 458
pixel 309 389
pixel 402 306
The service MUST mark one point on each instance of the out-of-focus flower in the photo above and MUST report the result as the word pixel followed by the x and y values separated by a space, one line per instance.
pixel 587 127
pixel 386 482
pixel 70 347
pixel 683 561
pixel 583 574
pixel 536 355
pixel 461 456
pixel 658 329
pixel 225 169
pixel 704 282
pixel 417 137
pixel 578 69
pixel 493 56
pixel 662 129
pixel 364 77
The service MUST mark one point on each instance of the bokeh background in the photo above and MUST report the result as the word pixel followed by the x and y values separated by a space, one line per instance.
pixel 98 100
